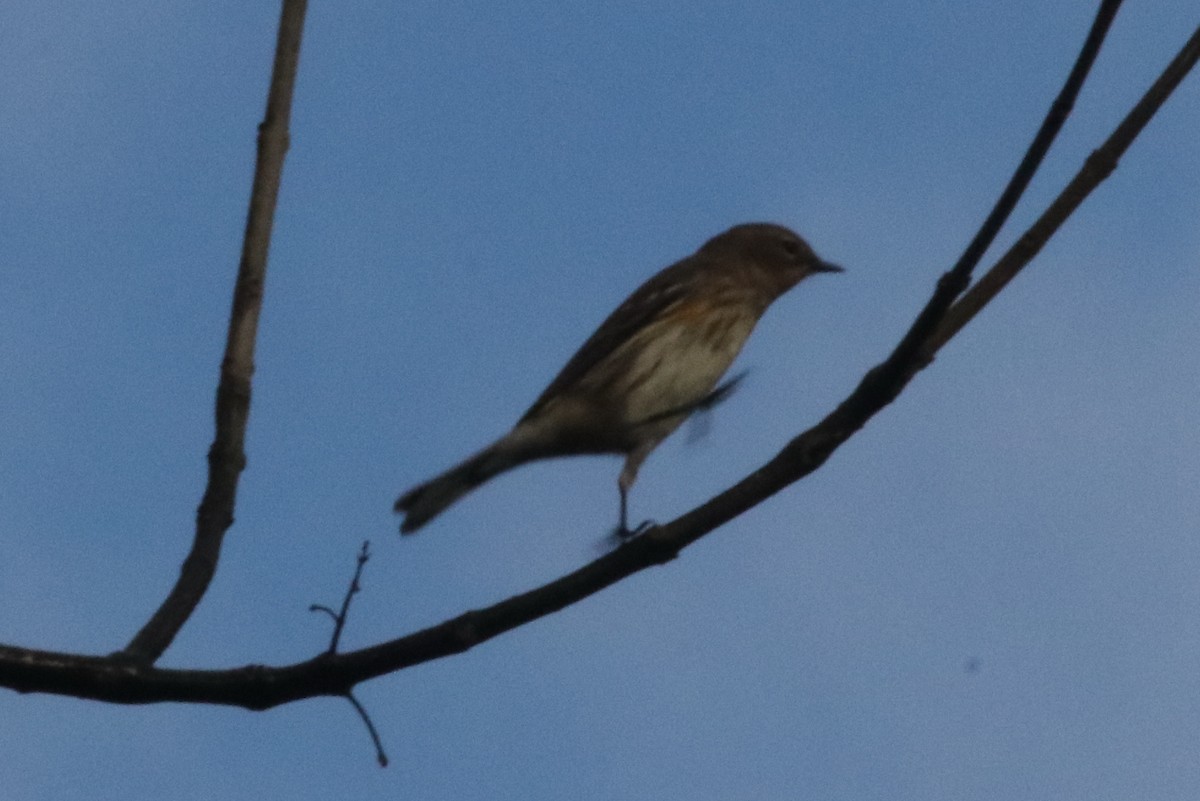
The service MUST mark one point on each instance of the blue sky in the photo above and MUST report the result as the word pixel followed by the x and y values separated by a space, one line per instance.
pixel 469 191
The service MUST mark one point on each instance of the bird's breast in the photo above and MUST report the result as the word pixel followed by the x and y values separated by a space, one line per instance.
pixel 678 359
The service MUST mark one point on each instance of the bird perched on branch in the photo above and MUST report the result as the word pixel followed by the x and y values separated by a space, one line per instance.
pixel 655 360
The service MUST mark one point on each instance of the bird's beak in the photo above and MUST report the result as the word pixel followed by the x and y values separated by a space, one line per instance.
pixel 826 267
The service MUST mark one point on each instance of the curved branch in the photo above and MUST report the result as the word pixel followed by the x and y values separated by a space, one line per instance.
pixel 227 456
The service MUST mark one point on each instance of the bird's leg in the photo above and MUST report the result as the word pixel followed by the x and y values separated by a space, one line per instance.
pixel 629 475
pixel 623 525
pixel 634 459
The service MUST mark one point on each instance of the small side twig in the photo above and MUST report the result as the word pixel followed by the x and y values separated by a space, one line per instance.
pixel 339 618
pixel 380 756
pixel 339 623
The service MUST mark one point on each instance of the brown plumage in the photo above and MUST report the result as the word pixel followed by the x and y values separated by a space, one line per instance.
pixel 656 359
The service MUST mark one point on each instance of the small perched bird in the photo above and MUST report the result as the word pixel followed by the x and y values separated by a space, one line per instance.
pixel 651 364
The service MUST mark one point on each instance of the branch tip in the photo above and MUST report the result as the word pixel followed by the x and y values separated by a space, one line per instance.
pixel 380 755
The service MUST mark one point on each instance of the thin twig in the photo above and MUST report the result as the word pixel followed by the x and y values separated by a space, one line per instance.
pixel 323 608
pixel 380 756
pixel 226 456
pixel 339 618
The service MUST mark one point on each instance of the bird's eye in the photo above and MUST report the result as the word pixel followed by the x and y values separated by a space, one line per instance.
pixel 790 247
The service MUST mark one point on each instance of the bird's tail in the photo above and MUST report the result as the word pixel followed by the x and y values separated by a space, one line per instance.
pixel 425 501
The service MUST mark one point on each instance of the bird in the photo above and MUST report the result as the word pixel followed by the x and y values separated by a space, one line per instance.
pixel 653 362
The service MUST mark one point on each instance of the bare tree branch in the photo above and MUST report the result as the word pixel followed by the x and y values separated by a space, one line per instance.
pixel 260 687
pixel 227 456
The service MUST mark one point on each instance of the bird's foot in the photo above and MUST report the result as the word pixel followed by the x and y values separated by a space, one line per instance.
pixel 623 533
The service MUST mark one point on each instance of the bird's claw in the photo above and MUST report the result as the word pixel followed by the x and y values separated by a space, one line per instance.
pixel 623 533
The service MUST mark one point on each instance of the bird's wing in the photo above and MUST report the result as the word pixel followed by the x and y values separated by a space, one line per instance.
pixel 648 302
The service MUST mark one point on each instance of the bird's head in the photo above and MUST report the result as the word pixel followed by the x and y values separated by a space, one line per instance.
pixel 778 252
